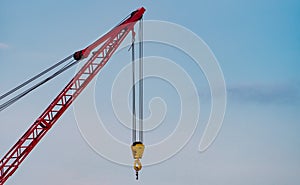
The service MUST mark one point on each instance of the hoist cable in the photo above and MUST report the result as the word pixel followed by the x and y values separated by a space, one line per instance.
pixel 35 77
pixel 141 88
pixel 19 96
pixel 133 93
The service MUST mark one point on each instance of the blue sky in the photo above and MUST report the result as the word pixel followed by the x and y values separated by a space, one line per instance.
pixel 257 44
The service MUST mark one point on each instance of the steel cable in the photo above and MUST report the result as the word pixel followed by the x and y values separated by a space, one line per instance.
pixel 133 94
pixel 35 77
pixel 19 96
pixel 141 83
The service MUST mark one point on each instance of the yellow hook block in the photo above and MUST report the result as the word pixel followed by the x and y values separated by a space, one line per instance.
pixel 137 149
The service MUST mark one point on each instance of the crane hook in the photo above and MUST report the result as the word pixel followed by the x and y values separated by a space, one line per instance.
pixel 137 165
pixel 137 152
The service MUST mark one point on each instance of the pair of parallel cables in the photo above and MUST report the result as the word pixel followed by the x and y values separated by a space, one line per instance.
pixel 9 102
pixel 137 146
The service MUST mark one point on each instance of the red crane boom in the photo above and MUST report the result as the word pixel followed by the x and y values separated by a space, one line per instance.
pixel 108 45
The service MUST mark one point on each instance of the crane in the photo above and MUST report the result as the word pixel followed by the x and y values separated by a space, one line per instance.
pixel 101 51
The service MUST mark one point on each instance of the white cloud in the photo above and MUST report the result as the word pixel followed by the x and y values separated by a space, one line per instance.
pixel 3 46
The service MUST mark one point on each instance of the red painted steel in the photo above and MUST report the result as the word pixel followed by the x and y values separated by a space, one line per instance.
pixel 110 42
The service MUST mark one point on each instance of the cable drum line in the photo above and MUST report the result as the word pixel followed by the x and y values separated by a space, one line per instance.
pixel 137 131
pixel 137 146
pixel 133 93
pixel 141 85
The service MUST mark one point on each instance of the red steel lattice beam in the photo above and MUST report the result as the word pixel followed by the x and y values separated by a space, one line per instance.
pixel 110 42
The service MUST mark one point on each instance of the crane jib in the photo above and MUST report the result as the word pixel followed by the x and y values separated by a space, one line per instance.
pixel 108 45
pixel 134 17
